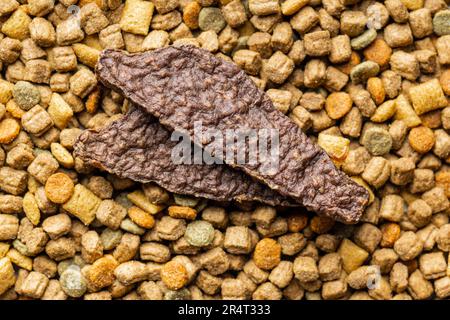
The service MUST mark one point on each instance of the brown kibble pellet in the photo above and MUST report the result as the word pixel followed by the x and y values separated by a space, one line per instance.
pixel 390 234
pixel 321 224
pixel 297 222
pixel 267 254
pixel 421 139
pixel 174 275
pixel 59 188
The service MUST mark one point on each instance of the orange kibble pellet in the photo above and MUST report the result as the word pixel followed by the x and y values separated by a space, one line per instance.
pixel 267 254
pixel 180 212
pixel 321 224
pixel 443 180
pixel 378 52
pixel 141 218
pixel 190 14
pixel 9 129
pixel 445 81
pixel 347 67
pixel 174 275
pixel 297 222
pixel 421 139
pixel 390 234
pixel 338 104
pixel 93 101
pixel 376 89
pixel 59 187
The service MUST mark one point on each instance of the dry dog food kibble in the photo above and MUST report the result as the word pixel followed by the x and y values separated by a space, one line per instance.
pixel 93 207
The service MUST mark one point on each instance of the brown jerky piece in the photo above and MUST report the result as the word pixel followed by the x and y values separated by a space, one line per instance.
pixel 137 147
pixel 180 85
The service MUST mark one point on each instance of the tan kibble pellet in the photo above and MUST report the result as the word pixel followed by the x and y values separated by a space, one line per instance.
pixel 405 112
pixel 136 16
pixel 139 199
pixel 352 256
pixel 16 26
pixel 141 218
pixel 267 254
pixel 31 208
pixel 59 188
pixel 82 204
pixel 427 96
pixel 174 275
pixel 421 139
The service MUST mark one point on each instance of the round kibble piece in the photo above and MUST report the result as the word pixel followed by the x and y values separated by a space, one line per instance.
pixel 377 141
pixel 73 282
pixel 421 139
pixel 174 275
pixel 141 218
pixel 211 19
pixel 441 23
pixel 338 104
pixel 183 294
pixel 59 188
pixel 26 95
pixel 9 129
pixel 199 233
pixel 267 254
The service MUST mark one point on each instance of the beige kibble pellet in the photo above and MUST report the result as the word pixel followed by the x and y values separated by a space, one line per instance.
pixel 83 204
pixel 377 171
pixel 427 96
pixel 136 16
pixel 16 26
pixel 405 112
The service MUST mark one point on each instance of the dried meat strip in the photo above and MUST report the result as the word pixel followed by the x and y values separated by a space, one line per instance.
pixel 138 147
pixel 181 85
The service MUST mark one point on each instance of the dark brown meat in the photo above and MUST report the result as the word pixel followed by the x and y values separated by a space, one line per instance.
pixel 137 147
pixel 181 85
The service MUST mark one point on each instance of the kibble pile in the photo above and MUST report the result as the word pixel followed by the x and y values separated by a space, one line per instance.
pixel 368 80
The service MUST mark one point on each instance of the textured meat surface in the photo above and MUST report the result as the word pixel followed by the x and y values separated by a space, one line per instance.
pixel 181 85
pixel 137 147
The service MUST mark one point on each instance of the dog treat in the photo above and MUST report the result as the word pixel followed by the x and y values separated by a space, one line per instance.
pixel 180 85
pixel 138 147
